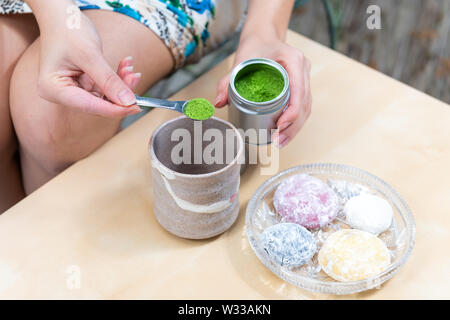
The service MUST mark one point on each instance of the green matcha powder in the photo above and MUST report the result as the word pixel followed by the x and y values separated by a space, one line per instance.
pixel 260 85
pixel 199 109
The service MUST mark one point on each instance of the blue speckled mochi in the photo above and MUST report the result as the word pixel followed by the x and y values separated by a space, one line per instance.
pixel 288 244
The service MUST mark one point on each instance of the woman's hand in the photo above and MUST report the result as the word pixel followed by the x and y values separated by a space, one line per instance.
pixel 74 73
pixel 263 37
pixel 298 68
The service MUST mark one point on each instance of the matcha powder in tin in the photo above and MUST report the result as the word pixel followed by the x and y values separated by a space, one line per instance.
pixel 199 109
pixel 260 85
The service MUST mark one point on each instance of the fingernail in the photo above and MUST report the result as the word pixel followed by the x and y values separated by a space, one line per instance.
pixel 281 141
pixel 218 99
pixel 284 143
pixel 137 77
pixel 126 97
pixel 134 110
pixel 129 68
pixel 128 61
pixel 284 126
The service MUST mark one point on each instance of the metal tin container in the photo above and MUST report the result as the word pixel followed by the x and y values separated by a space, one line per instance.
pixel 262 116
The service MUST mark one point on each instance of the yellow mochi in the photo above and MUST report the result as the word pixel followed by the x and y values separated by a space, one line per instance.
pixel 351 255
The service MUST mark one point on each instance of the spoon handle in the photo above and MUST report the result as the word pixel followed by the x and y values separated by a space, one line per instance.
pixel 145 102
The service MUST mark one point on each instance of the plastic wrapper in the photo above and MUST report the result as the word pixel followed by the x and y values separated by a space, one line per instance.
pixel 288 244
pixel 307 201
pixel 261 215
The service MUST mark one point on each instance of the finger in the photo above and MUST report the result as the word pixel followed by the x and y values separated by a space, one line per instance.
pixel 286 136
pixel 89 85
pixel 132 80
pixel 122 73
pixel 222 92
pixel 286 133
pixel 125 66
pixel 308 65
pixel 306 107
pixel 279 140
pixel 292 130
pixel 126 62
pixel 75 97
pixel 296 70
pixel 86 82
pixel 308 91
pixel 136 80
pixel 125 71
pixel 283 137
pixel 111 84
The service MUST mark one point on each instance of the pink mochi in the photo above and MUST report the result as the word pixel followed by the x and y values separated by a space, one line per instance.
pixel 307 201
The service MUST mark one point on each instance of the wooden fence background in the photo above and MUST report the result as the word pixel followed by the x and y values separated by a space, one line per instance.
pixel 413 45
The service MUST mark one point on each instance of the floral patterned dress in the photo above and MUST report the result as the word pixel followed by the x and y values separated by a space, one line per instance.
pixel 183 25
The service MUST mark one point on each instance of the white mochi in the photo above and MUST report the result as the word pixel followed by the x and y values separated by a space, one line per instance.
pixel 369 213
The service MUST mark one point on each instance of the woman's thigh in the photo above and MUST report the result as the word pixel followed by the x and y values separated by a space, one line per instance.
pixel 17 32
pixel 51 136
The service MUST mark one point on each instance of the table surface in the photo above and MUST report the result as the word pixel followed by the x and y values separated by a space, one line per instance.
pixel 94 222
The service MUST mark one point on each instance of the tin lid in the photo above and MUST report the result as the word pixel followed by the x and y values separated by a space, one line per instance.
pixel 260 107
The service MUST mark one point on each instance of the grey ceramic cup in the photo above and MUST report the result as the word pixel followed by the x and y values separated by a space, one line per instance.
pixel 197 198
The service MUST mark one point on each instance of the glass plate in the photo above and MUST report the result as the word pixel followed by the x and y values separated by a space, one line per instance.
pixel 399 238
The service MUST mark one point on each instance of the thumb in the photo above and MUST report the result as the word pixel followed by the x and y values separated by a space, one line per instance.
pixel 112 86
pixel 222 92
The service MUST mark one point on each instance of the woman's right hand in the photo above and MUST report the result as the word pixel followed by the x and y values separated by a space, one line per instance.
pixel 74 72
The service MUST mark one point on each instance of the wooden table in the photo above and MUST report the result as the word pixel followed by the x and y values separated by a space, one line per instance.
pixel 95 220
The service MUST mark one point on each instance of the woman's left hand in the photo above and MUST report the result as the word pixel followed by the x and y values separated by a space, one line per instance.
pixel 298 68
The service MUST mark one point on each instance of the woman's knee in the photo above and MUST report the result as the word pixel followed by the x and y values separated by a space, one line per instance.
pixel 53 139
pixel 43 142
pixel 53 136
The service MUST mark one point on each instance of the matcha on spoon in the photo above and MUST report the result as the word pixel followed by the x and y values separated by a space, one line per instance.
pixel 196 109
